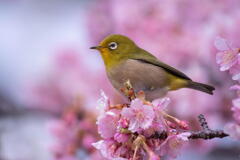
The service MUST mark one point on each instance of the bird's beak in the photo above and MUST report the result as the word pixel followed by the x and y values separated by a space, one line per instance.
pixel 96 47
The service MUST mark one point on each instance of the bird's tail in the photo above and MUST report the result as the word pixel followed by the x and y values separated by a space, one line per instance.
pixel 201 87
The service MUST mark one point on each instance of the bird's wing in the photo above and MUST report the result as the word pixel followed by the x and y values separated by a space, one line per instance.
pixel 166 67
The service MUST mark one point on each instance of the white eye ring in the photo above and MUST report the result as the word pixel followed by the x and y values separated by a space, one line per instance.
pixel 113 45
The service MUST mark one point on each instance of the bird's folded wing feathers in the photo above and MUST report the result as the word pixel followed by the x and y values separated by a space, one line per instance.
pixel 166 67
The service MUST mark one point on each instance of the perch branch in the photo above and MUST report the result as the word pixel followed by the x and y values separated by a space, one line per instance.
pixel 206 133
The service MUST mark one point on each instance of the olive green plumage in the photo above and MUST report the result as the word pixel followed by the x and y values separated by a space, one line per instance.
pixel 124 60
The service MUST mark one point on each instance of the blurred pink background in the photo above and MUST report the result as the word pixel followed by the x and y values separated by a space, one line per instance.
pixel 50 81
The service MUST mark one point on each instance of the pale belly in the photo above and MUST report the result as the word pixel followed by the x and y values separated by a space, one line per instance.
pixel 149 78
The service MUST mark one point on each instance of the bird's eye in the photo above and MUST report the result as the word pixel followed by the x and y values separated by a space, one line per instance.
pixel 113 45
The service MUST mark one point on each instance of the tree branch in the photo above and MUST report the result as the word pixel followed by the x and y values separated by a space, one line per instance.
pixel 206 133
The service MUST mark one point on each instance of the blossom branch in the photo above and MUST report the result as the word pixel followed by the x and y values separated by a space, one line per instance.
pixel 206 133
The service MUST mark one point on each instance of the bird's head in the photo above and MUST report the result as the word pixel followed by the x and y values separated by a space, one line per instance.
pixel 115 48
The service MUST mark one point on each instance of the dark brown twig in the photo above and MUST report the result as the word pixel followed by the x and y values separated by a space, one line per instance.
pixel 203 122
pixel 206 133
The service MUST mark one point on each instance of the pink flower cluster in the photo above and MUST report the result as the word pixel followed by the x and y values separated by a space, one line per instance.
pixel 128 131
pixel 228 58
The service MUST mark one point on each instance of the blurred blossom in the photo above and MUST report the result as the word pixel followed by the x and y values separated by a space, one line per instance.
pixel 74 132
pixel 222 45
pixel 69 78
pixel 233 129
pixel 103 103
pixel 227 57
pixel 106 148
pixel 235 70
pixel 172 145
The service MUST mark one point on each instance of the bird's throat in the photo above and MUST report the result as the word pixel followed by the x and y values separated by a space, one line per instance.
pixel 110 60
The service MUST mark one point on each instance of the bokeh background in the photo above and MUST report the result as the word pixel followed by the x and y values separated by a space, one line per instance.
pixel 50 81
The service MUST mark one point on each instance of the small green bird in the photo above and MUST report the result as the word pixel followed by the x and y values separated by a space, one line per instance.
pixel 124 61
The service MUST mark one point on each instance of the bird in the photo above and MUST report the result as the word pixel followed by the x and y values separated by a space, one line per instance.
pixel 125 61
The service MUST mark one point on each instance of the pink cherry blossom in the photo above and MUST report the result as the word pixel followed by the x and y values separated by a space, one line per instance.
pixel 235 70
pixel 74 131
pixel 140 116
pixel 123 123
pixel 111 150
pixel 121 138
pixel 107 123
pixel 227 59
pixel 123 151
pixel 106 147
pixel 88 140
pixel 103 103
pixel 161 103
pixel 221 44
pixel 228 56
pixel 173 144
